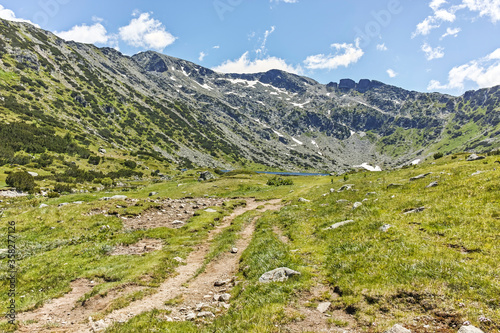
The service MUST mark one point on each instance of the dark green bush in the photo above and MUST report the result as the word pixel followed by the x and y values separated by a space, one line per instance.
pixel 130 164
pixel 60 188
pixel 22 181
pixel 438 156
pixel 279 181
pixel 94 160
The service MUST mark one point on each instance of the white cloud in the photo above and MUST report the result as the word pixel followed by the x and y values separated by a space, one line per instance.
pixel 485 72
pixel 95 33
pixel 202 56
pixel 489 8
pixel 425 27
pixel 346 54
pixel 285 1
pixel 432 53
pixel 381 47
pixel 391 73
pixel 216 47
pixel 147 32
pixel 262 50
pixel 245 65
pixel 9 15
pixel 435 4
pixel 451 32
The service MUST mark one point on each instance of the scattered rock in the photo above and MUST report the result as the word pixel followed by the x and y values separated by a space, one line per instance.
pixel 414 210
pixel 475 157
pixel 119 197
pixel 323 307
pixel 278 275
pixel 304 200
pixel 191 316
pixel 206 175
pixel 205 314
pixel 153 194
pixel 478 173
pixel 102 150
pixel 420 176
pixel 371 193
pixel 43 206
pixel 469 329
pixel 357 205
pixel 234 250
pixel 433 184
pixel 397 329
pixel 394 185
pixel 332 190
pixel 219 283
pixel 177 222
pixel 224 297
pixel 339 224
pixel 342 201
pixel 385 227
pixel 63 204
pixel 179 259
pixel 346 187
pixel 34 174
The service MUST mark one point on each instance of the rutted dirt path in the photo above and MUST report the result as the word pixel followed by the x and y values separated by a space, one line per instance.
pixel 57 310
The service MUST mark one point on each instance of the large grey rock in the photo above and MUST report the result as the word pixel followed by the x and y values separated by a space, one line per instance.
pixel 323 307
pixel 206 175
pixel 346 187
pixel 118 197
pixel 397 329
pixel 394 185
pixel 469 329
pixel 420 176
pixel 339 224
pixel 357 205
pixel 43 206
pixel 433 184
pixel 102 150
pixel 278 275
pixel 474 157
pixel 304 200
pixel 33 174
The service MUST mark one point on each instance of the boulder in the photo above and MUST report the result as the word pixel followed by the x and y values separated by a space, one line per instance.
pixel 191 316
pixel 210 210
pixel 469 329
pixel 433 184
pixel 43 206
pixel 206 175
pixel 357 205
pixel 234 250
pixel 323 307
pixel 420 176
pixel 153 194
pixel 205 314
pixel 339 224
pixel 33 174
pixel 394 185
pixel 278 275
pixel 397 329
pixel 474 157
pixel 102 150
pixel 346 187
pixel 415 210
pixel 304 200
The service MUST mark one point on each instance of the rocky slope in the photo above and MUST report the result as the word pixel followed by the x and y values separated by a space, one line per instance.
pixel 188 115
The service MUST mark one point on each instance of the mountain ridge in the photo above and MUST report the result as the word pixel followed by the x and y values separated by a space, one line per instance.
pixel 194 116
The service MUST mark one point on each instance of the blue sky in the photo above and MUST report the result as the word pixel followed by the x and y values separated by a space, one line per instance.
pixel 448 46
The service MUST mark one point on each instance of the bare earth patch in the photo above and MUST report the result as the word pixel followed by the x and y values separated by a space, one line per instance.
pixel 141 247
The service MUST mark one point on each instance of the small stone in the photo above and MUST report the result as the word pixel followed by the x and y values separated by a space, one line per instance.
pixel 205 314
pixel 371 193
pixel 415 210
pixel 179 259
pixel 278 275
pixel 210 210
pixel 469 329
pixel 323 307
pixel 397 329
pixel 385 227
pixel 332 190
pixel 118 197
pixel 394 185
pixel 339 224
pixel 357 205
pixel 63 204
pixel 219 283
pixel 224 297
pixel 346 187
pixel 234 250
pixel 433 184
pixel 153 194
pixel 304 200
pixel 178 222
pixel 191 316
pixel 420 176
pixel 43 206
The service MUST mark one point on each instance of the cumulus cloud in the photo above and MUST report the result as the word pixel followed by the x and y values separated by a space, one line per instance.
pixel 381 47
pixel 346 54
pixel 485 72
pixel 147 32
pixel 246 65
pixel 391 73
pixel 89 34
pixel 432 53
pixel 489 8
pixel 9 15
pixel 451 32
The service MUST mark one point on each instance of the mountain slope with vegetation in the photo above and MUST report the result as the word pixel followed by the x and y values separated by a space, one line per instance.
pixel 70 98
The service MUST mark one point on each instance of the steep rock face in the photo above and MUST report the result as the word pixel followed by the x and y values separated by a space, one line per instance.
pixel 192 115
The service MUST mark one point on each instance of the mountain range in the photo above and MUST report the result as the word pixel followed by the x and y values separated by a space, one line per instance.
pixel 186 115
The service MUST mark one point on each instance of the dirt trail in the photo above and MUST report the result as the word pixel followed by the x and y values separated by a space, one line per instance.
pixel 57 310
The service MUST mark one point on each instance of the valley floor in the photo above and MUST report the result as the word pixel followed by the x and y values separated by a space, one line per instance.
pixel 372 249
